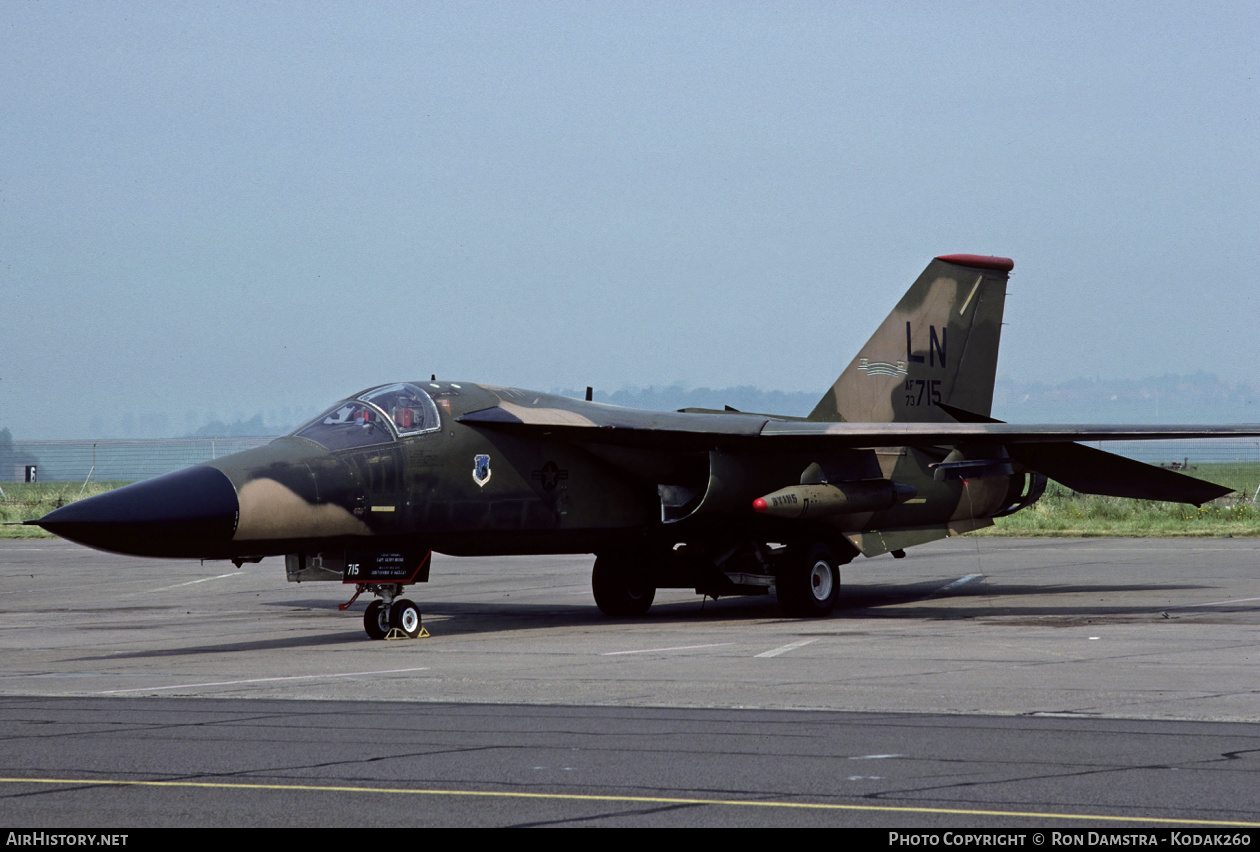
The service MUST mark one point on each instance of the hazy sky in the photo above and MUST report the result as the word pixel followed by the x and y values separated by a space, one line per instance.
pixel 220 209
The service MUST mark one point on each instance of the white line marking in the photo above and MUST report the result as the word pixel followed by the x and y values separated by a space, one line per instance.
pixel 785 648
pixel 195 582
pixel 875 756
pixel 943 589
pixel 657 650
pixel 1214 603
pixel 262 680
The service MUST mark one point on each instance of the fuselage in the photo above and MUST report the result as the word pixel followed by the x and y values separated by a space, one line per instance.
pixel 394 467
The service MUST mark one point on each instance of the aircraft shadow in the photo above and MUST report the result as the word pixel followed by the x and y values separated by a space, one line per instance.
pixel 341 637
pixel 858 602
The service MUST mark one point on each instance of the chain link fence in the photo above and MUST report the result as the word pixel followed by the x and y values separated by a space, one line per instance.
pixel 1232 462
pixel 1177 454
pixel 123 460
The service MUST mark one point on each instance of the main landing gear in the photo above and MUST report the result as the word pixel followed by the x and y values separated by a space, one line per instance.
pixel 808 581
pixel 389 617
pixel 622 586
pixel 804 574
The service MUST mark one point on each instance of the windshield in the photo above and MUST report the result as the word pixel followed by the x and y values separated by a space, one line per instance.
pixel 366 420
pixel 349 424
pixel 410 408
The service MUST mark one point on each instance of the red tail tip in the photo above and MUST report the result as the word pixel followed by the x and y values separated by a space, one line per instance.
pixel 1002 264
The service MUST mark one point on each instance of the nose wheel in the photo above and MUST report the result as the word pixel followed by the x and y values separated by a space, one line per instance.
pixel 404 617
pixel 396 619
pixel 376 620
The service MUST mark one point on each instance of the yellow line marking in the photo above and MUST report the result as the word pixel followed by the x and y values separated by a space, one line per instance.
pixel 639 800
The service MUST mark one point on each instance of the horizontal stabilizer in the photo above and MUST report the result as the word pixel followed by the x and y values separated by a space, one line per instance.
pixel 1092 471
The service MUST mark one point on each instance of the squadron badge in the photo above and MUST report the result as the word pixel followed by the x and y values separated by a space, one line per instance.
pixel 481 469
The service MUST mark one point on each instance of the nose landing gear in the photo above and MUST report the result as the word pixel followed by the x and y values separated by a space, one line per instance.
pixel 385 575
pixel 390 617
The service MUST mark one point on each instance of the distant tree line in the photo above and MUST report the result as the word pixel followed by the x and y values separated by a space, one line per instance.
pixel 12 460
pixel 251 428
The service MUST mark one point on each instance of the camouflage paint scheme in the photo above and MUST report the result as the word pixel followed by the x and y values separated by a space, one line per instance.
pixel 900 451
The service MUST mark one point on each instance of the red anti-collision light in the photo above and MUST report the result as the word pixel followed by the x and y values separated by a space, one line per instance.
pixel 1001 264
pixel 759 505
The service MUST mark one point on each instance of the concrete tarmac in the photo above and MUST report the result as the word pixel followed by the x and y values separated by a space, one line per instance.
pixel 100 763
pixel 1073 641
pixel 1139 628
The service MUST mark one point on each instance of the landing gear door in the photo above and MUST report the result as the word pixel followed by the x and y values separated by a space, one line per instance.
pixel 399 567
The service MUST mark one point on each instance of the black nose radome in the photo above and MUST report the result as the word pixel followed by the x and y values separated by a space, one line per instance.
pixel 189 513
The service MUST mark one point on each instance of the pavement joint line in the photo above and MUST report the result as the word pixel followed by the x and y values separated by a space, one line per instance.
pixel 659 800
pixel 264 680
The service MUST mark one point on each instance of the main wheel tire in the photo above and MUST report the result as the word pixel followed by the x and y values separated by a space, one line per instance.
pixel 808 583
pixel 376 620
pixel 622 586
pixel 404 616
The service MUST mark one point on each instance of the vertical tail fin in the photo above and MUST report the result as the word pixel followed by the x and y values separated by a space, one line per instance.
pixel 940 344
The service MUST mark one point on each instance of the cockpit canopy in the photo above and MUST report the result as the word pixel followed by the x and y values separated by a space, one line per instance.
pixel 376 416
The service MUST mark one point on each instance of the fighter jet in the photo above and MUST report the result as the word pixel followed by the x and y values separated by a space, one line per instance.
pixel 901 450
